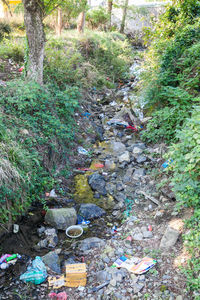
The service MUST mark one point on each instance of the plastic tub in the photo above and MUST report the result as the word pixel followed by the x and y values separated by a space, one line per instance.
pixel 74 231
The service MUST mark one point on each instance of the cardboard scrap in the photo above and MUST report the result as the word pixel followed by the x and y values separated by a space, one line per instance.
pixel 135 265
pixel 76 275
pixel 57 282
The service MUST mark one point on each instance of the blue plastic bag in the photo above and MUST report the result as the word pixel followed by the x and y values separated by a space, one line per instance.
pixel 36 273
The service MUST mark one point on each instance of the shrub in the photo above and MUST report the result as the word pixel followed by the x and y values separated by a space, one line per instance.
pixel 37 128
pixel 97 18
pixel 5 30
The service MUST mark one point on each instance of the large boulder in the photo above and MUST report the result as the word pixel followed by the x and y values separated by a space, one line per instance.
pixel 61 218
pixel 97 183
pixel 91 211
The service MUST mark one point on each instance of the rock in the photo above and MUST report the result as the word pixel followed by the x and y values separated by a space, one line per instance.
pixel 91 243
pixel 41 230
pixel 103 276
pixel 119 187
pixel 139 173
pixel 179 297
pixel 137 150
pixel 113 282
pixel 91 211
pixel 117 148
pixel 169 238
pixel 110 165
pixel 97 183
pixel 42 244
pixel 141 159
pixel 146 233
pixel 120 197
pixel 137 235
pixel 61 218
pixel 118 274
pixel 134 278
pixel 137 287
pixel 125 157
pixel 51 259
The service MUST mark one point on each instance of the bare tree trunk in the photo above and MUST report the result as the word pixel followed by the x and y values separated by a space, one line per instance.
pixel 36 39
pixel 81 22
pixel 124 16
pixel 110 5
pixel 59 23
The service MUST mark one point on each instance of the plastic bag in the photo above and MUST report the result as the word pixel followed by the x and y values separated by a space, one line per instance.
pixel 36 273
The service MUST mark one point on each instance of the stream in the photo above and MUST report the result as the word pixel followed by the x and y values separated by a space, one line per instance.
pixel 127 163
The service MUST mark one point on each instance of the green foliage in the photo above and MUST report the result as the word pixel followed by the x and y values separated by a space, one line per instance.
pixel 97 18
pixel 5 30
pixel 37 127
pixel 87 60
pixel 172 78
pixel 12 49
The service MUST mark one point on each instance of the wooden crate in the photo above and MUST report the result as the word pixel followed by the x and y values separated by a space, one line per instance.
pixel 76 275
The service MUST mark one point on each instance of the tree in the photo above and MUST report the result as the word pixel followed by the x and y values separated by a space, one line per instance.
pixel 124 16
pixel 59 22
pixel 110 5
pixel 81 18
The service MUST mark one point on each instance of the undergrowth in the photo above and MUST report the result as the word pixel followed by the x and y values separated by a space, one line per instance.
pixel 37 128
pixel 172 80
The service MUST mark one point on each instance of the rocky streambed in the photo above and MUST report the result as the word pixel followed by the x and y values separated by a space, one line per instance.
pixel 128 215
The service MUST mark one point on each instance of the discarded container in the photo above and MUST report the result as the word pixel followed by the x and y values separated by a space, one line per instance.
pixel 83 151
pixel 74 231
pixel 167 163
pixel 12 257
pixel 3 258
pixel 150 228
pixel 36 273
pixel 76 275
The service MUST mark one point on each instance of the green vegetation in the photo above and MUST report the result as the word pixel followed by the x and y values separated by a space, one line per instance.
pixel 37 128
pixel 37 123
pixel 172 78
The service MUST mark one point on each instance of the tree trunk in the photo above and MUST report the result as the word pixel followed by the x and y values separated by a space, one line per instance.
pixel 81 22
pixel 110 5
pixel 59 23
pixel 36 39
pixel 124 16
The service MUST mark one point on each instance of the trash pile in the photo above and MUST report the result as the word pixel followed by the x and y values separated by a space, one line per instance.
pixel 7 260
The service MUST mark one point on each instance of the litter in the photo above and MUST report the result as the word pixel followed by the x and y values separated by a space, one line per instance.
pixel 82 221
pixel 52 194
pixel 21 69
pixel 76 275
pixel 145 265
pixel 86 115
pixel 167 163
pixel 59 296
pixel 74 231
pixel 150 228
pixel 81 150
pixel 99 287
pixel 57 282
pixel 8 259
pixel 36 273
pixel 149 197
pixel 135 265
pixel 15 228
pixel 114 230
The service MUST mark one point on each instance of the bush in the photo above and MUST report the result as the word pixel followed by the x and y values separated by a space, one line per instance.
pixel 87 60
pixel 186 185
pixel 5 30
pixel 97 18
pixel 37 128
